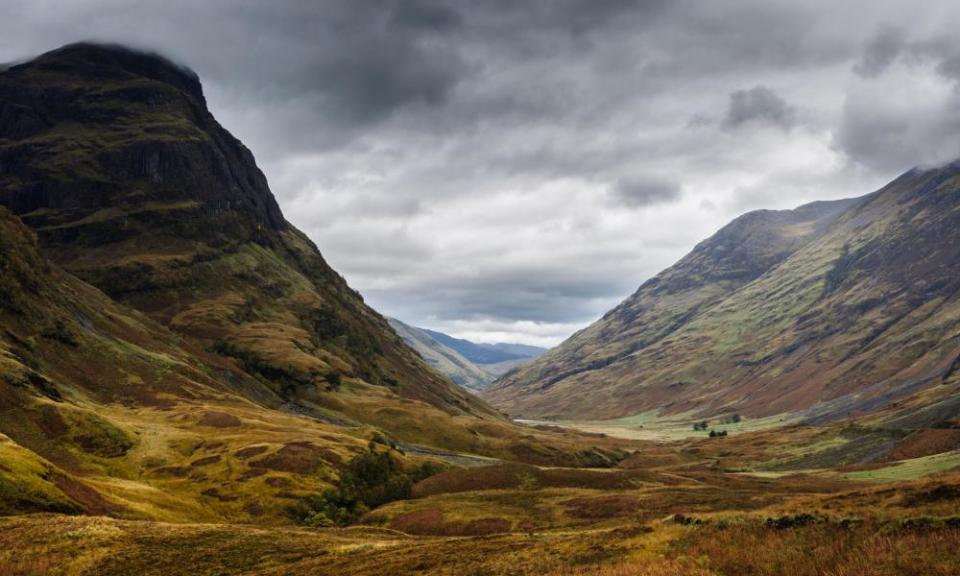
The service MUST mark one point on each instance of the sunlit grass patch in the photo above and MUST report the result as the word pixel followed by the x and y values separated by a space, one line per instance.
pixel 909 469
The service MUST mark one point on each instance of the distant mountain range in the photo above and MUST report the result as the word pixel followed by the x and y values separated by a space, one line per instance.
pixel 469 364
pixel 833 310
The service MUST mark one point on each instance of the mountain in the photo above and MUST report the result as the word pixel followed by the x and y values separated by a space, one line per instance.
pixel 832 310
pixel 468 364
pixel 522 350
pixel 112 157
pixel 486 353
pixel 170 346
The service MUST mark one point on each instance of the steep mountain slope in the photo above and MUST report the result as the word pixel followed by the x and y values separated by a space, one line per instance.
pixel 103 411
pixel 132 185
pixel 170 347
pixel 828 311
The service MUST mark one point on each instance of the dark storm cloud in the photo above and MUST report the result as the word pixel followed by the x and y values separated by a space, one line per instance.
pixel 425 15
pixel 324 69
pixel 484 163
pixel 761 105
pixel 642 191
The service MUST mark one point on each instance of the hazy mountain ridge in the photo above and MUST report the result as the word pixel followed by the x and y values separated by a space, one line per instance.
pixel 481 353
pixel 825 311
pixel 449 355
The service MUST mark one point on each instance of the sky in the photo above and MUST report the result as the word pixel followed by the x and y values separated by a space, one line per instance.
pixel 510 170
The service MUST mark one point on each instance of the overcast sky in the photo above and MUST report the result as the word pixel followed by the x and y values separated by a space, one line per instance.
pixel 510 170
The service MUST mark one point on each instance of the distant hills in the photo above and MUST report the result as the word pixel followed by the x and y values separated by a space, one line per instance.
pixel 486 353
pixel 467 363
pixel 833 310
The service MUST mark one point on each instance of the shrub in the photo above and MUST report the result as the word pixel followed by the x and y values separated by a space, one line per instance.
pixel 334 379
pixel 795 521
pixel 369 480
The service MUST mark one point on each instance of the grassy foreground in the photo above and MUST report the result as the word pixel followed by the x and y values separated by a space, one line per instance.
pixel 748 545
pixel 671 509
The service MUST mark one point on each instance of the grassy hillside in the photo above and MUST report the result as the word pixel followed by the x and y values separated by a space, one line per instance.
pixel 105 411
pixel 830 311
pixel 670 510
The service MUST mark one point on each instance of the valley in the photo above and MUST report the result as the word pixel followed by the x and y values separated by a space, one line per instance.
pixel 188 387
pixel 679 508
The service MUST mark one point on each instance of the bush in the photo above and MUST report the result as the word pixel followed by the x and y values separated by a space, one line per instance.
pixel 334 379
pixel 370 479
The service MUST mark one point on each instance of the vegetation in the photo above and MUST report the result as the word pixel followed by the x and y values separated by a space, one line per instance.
pixel 334 380
pixel 371 479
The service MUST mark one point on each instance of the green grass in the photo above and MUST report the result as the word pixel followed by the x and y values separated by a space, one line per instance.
pixel 909 469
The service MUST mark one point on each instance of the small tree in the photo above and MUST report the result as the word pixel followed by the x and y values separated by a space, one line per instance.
pixel 334 379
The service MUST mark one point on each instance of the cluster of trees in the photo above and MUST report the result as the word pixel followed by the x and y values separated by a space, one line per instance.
pixel 372 478
pixel 735 419
pixel 704 425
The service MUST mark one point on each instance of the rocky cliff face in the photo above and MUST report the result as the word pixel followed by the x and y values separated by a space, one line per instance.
pixel 112 157
pixel 828 311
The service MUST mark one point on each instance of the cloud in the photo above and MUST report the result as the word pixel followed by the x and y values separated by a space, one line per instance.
pixel 643 191
pixel 423 15
pixel 880 52
pixel 759 105
pixel 904 109
pixel 481 165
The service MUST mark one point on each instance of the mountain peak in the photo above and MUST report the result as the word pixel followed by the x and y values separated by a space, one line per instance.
pixel 85 110
pixel 107 61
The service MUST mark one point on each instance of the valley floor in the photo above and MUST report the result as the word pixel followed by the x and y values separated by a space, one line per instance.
pixel 765 502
